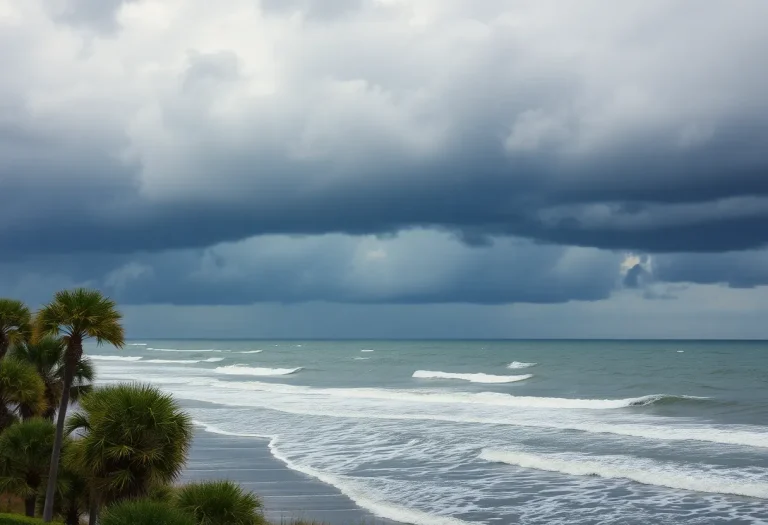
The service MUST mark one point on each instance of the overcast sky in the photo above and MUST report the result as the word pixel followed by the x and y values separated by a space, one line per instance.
pixel 390 168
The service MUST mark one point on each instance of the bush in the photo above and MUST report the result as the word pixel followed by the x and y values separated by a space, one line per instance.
pixel 15 519
pixel 144 512
pixel 220 503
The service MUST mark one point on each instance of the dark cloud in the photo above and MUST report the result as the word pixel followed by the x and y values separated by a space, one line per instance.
pixel 413 268
pixel 640 132
pixel 736 269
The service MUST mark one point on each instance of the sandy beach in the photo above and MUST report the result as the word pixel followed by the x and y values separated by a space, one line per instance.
pixel 287 494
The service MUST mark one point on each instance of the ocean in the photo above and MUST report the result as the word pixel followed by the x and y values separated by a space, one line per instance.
pixel 498 432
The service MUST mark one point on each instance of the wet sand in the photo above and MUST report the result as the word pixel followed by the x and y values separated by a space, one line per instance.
pixel 287 495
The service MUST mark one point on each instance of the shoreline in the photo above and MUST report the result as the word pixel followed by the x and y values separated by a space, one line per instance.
pixel 287 494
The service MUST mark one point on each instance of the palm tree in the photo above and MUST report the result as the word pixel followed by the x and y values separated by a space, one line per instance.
pixel 75 315
pixel 47 356
pixel 134 439
pixel 73 488
pixel 220 503
pixel 20 386
pixel 15 324
pixel 145 512
pixel 25 450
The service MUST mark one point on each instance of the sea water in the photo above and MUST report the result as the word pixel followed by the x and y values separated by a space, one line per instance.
pixel 529 432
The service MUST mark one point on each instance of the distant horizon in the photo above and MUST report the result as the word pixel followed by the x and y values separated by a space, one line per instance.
pixel 427 339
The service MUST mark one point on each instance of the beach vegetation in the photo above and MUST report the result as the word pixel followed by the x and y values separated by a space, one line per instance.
pixel 145 512
pixel 133 438
pixel 15 324
pixel 47 356
pixel 74 315
pixel 25 452
pixel 220 503
pixel 22 391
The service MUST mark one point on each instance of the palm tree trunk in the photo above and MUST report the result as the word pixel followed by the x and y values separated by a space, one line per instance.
pixel 50 492
pixel 72 516
pixel 29 505
pixel 3 344
pixel 93 511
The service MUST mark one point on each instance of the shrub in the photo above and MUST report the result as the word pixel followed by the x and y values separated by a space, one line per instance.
pixel 144 512
pixel 220 503
pixel 15 519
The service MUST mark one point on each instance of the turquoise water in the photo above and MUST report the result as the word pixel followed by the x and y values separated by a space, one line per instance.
pixel 532 432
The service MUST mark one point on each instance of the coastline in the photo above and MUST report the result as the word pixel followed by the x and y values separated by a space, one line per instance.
pixel 287 494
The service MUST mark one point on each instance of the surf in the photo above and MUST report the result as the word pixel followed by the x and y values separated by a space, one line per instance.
pixel 472 378
pixel 256 371
pixel 644 471
pixel 516 365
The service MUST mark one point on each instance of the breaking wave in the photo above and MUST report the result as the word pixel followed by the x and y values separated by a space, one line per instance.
pixel 114 358
pixel 474 378
pixel 516 365
pixel 184 361
pixel 189 350
pixel 645 471
pixel 249 371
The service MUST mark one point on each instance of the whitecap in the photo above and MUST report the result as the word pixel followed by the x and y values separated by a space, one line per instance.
pixel 516 365
pixel 367 350
pixel 474 378
pixel 251 352
pixel 114 358
pixel 184 361
pixel 640 470
pixel 257 371
pixel 189 350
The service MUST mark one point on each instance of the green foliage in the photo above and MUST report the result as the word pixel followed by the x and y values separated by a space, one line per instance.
pixel 134 438
pixel 220 503
pixel 15 519
pixel 79 314
pixel 15 323
pixel 145 512
pixel 25 455
pixel 72 489
pixel 76 315
pixel 47 356
pixel 20 385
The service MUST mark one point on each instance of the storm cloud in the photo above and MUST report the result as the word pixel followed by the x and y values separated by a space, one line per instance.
pixel 214 154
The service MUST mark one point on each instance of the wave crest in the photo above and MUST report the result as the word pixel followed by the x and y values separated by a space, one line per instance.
pixel 114 358
pixel 256 371
pixel 516 365
pixel 184 361
pixel 645 471
pixel 474 378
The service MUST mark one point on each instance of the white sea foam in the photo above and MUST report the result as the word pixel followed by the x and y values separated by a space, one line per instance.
pixel 462 407
pixel 114 358
pixel 251 352
pixel 640 470
pixel 366 350
pixel 361 358
pixel 137 344
pixel 189 350
pixel 250 371
pixel 516 365
pixel 184 361
pixel 363 496
pixel 474 378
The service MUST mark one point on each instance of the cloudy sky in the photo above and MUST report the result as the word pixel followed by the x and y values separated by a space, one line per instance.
pixel 390 168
